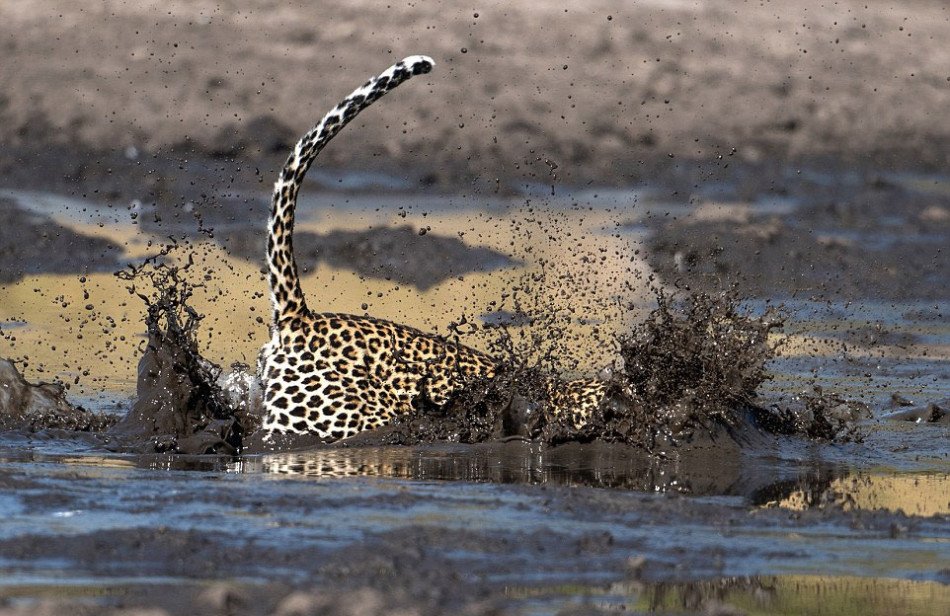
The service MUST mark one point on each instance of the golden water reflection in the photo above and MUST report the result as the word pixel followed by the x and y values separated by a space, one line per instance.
pixel 578 270
pixel 90 333
pixel 920 494
pixel 792 594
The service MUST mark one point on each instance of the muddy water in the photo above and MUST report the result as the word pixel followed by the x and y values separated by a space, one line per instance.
pixel 523 532
pixel 782 525
pixel 104 321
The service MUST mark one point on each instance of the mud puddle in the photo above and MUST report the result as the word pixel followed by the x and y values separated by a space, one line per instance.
pixel 516 527
pixel 101 530
pixel 745 521
pixel 813 232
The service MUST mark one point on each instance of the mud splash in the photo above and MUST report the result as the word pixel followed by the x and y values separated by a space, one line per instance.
pixel 30 408
pixel 691 374
pixel 690 377
pixel 179 405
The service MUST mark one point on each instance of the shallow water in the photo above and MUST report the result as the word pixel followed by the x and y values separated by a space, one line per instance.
pixel 511 516
pixel 788 526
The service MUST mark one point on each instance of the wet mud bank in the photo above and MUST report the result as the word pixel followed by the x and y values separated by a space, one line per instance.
pixel 615 86
pixel 197 198
pixel 402 254
pixel 812 233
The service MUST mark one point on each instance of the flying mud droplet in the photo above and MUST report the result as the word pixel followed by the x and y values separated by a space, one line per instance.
pixel 691 375
pixel 183 402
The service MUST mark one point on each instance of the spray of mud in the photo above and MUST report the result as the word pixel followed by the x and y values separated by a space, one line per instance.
pixel 179 406
pixel 690 377
pixel 28 407
pixel 691 374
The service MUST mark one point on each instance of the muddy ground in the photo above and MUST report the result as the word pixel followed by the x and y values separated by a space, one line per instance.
pixel 194 540
pixel 786 152
pixel 415 568
pixel 605 91
pixel 835 236
pixel 189 107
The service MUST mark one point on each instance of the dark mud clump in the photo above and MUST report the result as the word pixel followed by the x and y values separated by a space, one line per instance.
pixel 816 415
pixel 179 405
pixel 31 244
pixel 691 372
pixel 699 363
pixel 28 407
pixel 404 255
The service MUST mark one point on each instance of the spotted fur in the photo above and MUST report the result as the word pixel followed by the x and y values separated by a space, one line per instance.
pixel 336 375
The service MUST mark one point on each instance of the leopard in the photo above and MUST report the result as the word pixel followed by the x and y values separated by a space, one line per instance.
pixel 336 375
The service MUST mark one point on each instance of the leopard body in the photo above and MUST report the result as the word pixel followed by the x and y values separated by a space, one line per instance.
pixel 336 375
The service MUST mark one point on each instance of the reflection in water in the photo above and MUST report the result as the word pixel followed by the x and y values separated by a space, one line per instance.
pixel 923 494
pixel 104 341
pixel 606 465
pixel 515 462
pixel 768 484
pixel 793 594
pixel 718 472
